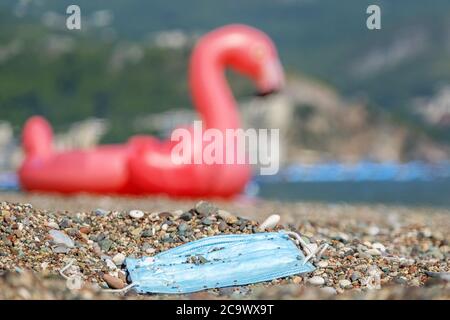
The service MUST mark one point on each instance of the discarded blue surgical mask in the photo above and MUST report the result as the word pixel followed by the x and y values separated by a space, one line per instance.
pixel 218 261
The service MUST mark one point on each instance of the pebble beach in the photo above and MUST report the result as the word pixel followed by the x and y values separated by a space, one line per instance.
pixel 56 247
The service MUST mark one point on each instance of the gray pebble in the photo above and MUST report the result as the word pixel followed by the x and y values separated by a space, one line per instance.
pixel 61 249
pixel 147 233
pixel 222 226
pixel 205 209
pixel 105 244
pixel 187 216
pixel 182 228
pixel 374 252
pixel 355 276
pixel 101 212
pixel 65 223
pixel 206 221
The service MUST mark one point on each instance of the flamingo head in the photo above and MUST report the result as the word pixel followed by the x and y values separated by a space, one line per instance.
pixel 251 52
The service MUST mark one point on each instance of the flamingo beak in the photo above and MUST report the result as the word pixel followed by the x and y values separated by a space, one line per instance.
pixel 271 79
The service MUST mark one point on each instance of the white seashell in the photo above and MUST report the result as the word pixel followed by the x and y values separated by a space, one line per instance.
pixel 270 222
pixel 136 214
pixel 316 281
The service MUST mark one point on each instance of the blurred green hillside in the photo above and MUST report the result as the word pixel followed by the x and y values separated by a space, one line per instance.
pixel 327 40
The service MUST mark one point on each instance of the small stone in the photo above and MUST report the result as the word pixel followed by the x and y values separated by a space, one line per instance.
pixel 379 247
pixel 97 250
pixel 177 213
pixel 136 232
pixel 165 215
pixel 373 252
pixel 105 244
pixel 223 226
pixel 223 214
pixel 227 291
pixel 113 282
pixel 205 209
pixel 297 279
pixel 206 221
pixel 232 220
pixel 355 276
pixel 182 228
pixel 367 244
pixel 322 264
pixel 118 259
pixel 345 284
pixel 316 281
pixel 53 225
pixel 101 212
pixel 342 237
pixel 404 262
pixel 85 230
pixel 65 223
pixel 60 238
pixel 147 233
pixel 136 214
pixel 187 216
pixel 364 255
pixel 110 264
pixel 61 249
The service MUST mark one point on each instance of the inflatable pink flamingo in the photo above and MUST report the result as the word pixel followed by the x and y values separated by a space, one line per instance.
pixel 144 164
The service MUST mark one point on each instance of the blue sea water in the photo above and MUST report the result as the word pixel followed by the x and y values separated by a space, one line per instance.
pixel 9 181
pixel 413 183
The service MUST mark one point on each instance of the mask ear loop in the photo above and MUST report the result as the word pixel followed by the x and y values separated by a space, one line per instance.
pixel 124 289
pixel 300 241
pixel 63 269
pixel 319 250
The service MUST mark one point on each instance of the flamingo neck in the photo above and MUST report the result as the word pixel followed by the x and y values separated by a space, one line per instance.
pixel 211 93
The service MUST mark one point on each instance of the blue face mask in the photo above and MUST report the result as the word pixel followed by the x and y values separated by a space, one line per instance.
pixel 218 261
